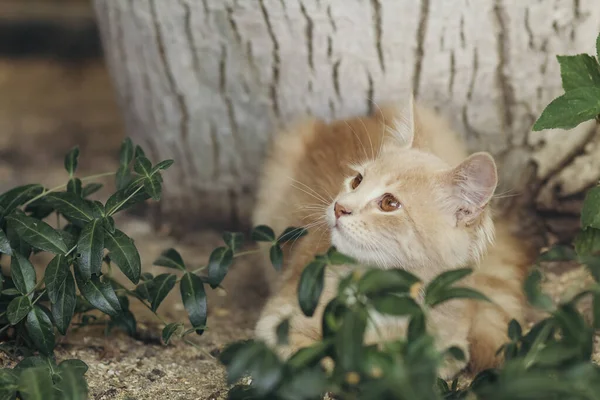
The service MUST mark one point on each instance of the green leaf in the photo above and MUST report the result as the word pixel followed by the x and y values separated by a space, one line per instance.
pixel 163 165
pixel 162 285
pixel 376 282
pixel 10 292
pixel 90 249
pixel 454 293
pixel 75 365
pixel 17 243
pixel 336 258
pixel 36 384
pixel 291 233
pixel 12 199
pixel 396 305
pixel 456 353
pixel 590 213
pixel 233 240
pixel 63 301
pixel 310 355
pixel 139 152
pixel 4 244
pixel 570 109
pixel 71 160
pixel 276 256
pixel 124 253
pixel 71 205
pixel 100 294
pixel 142 166
pixel 72 385
pixel 9 383
pixel 125 321
pixel 35 362
pixel 444 280
pixel 22 273
pixel 39 209
pixel 581 70
pixel 40 330
pixel 311 286
pixel 37 233
pixel 558 253
pixel 416 327
pixel 126 152
pixel 153 187
pixel 168 331
pixel 124 199
pixel 218 264
pixel 349 341
pixel 144 289
pixel 587 242
pixel 283 331
pixel 534 293
pixel 18 309
pixel 74 186
pixel 598 47
pixel 262 233
pixel 194 300
pixel 514 330
pixel 596 310
pixel 55 276
pixel 90 189
pixel 556 354
pixel 170 258
pixel 122 177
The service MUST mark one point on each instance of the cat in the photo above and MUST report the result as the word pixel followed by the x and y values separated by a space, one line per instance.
pixel 394 189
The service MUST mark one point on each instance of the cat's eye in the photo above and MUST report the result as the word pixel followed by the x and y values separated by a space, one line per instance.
pixel 356 181
pixel 389 203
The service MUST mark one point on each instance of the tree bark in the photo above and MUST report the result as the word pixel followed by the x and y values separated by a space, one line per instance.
pixel 207 82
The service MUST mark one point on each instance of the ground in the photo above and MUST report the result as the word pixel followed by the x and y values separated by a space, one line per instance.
pixel 45 109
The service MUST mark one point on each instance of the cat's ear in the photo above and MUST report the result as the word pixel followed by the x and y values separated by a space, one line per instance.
pixel 473 184
pixel 403 125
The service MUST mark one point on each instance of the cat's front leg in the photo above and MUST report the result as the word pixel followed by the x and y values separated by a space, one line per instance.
pixel 303 331
pixel 450 327
pixel 446 323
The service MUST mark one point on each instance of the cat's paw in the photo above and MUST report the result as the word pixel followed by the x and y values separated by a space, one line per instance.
pixel 452 366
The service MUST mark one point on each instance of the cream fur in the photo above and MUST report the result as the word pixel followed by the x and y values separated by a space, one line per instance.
pixel 444 222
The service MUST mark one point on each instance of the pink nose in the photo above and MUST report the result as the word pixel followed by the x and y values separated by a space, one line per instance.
pixel 340 210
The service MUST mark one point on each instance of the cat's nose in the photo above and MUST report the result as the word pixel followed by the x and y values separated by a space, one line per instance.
pixel 340 210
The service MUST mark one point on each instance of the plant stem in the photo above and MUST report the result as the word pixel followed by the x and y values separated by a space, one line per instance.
pixel 56 188
pixel 39 297
pixel 240 254
pixel 198 348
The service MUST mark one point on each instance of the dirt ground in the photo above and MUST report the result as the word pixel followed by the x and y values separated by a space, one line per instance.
pixel 45 109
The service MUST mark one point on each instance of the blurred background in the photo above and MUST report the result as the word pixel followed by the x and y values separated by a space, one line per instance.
pixel 55 92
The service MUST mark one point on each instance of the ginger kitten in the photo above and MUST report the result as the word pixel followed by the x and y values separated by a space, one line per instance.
pixel 395 189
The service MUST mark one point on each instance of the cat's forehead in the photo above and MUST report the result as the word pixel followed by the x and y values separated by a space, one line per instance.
pixel 392 165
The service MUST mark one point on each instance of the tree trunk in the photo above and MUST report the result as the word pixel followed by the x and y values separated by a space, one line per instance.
pixel 207 82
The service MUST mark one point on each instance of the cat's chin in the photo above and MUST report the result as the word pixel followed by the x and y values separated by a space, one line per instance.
pixel 346 246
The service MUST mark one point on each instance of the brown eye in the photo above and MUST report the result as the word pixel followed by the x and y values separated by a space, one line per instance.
pixel 389 203
pixel 356 181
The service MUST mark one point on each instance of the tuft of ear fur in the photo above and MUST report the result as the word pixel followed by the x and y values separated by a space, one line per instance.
pixel 403 125
pixel 473 183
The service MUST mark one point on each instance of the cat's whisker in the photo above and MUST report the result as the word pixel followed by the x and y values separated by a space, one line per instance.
pixel 368 137
pixel 310 194
pixel 358 138
pixel 314 194
pixel 383 125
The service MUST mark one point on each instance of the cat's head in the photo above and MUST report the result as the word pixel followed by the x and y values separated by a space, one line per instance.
pixel 408 208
